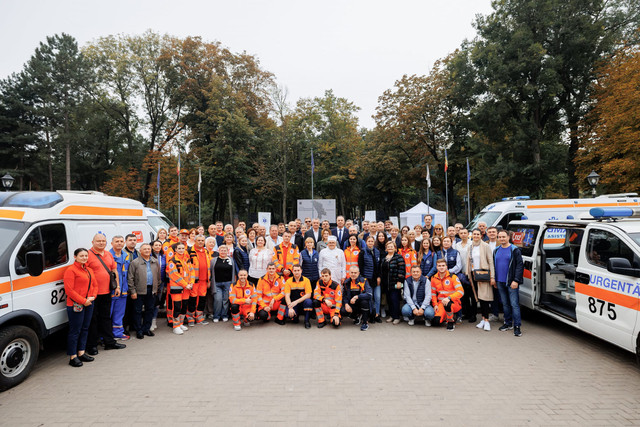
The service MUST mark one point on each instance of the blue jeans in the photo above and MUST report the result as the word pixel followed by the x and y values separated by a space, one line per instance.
pixel 78 329
pixel 511 303
pixel 496 304
pixel 221 300
pixel 429 313
pixel 377 294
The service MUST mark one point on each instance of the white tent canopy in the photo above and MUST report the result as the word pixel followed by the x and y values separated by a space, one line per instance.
pixel 415 216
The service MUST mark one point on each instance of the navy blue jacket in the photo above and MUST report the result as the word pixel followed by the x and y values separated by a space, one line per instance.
pixel 310 265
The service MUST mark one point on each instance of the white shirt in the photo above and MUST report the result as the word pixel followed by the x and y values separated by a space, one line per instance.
pixel 258 261
pixel 334 260
pixel 271 244
pixel 464 253
pixel 493 245
pixel 475 257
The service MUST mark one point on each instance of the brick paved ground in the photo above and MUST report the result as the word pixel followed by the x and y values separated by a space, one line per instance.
pixel 286 375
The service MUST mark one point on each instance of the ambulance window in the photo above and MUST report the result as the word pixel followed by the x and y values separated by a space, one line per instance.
pixel 515 216
pixel 603 245
pixel 51 240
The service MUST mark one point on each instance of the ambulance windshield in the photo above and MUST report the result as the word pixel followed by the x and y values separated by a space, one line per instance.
pixel 635 237
pixel 490 218
pixel 9 230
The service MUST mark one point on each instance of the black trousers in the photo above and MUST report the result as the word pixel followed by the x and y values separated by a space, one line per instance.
pixel 101 322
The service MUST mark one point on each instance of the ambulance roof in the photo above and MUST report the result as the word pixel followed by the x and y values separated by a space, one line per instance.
pixel 31 206
pixel 605 200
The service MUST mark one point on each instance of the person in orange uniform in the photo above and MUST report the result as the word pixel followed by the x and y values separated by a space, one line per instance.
pixel 270 293
pixel 81 289
pixel 285 255
pixel 243 299
pixel 351 252
pixel 408 254
pixel 181 278
pixel 201 260
pixel 297 295
pixel 446 293
pixel 171 240
pixel 327 299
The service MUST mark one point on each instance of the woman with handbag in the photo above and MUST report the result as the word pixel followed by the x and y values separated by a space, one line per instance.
pixel 392 275
pixel 481 273
pixel 81 289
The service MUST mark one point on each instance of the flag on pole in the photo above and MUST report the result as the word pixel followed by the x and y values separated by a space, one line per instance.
pixel 428 177
pixel 468 171
pixel 178 168
pixel 199 178
pixel 446 161
pixel 313 165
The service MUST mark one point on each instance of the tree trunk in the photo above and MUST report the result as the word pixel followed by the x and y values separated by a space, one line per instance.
pixel 284 186
pixel 68 165
pixel 50 162
pixel 230 205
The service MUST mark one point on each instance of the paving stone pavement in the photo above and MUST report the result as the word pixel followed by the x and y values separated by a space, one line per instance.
pixel 286 375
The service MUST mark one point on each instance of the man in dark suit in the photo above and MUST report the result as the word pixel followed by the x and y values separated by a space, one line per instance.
pixel 340 231
pixel 296 239
pixel 314 232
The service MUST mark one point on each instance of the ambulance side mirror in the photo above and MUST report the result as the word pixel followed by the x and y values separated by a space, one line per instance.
pixel 35 263
pixel 622 266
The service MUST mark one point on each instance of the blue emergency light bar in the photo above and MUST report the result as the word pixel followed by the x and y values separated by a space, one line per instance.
pixel 505 199
pixel 600 213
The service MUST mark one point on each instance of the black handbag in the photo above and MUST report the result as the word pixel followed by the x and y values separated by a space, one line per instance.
pixel 481 275
pixel 113 282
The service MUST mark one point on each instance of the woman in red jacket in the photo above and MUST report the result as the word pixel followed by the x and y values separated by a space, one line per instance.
pixel 81 289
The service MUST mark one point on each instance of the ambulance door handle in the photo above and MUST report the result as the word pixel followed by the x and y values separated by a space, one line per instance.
pixel 59 283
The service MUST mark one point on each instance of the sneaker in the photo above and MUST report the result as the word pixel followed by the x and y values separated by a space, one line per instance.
pixel 204 322
pixel 427 322
pixel 505 327
pixel 459 319
pixel 364 327
pixel 517 332
pixel 184 328
pixel 487 326
pixel 124 338
pixel 481 324
pixel 450 326
pixel 225 319
pixel 216 320
pixel 383 313
pixel 411 322
pixel 493 318
pixel 154 325
pixel 192 324
pixel 178 331
pixel 246 323
pixel 405 318
pixel 396 321
pixel 357 321
pixel 237 327
pixel 389 319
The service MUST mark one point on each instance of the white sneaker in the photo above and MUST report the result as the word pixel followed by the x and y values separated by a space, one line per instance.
pixel 487 326
pixel 225 319
pixel 216 320
pixel 481 324
pixel 427 322
pixel 405 318
pixel 412 322
pixel 237 327
pixel 493 318
pixel 154 325
pixel 178 331
pixel 184 328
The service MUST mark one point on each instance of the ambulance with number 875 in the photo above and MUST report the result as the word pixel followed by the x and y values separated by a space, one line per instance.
pixel 585 273
pixel 40 231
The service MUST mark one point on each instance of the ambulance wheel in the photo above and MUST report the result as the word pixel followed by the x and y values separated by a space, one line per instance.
pixel 19 348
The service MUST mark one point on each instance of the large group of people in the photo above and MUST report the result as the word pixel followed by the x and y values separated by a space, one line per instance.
pixel 301 269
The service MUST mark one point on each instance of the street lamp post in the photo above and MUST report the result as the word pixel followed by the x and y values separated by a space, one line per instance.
pixel 593 178
pixel 7 182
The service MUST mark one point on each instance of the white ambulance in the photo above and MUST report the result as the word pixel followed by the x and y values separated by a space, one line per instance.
pixel 522 207
pixel 585 273
pixel 40 231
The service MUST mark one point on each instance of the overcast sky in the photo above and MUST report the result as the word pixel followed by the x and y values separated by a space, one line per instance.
pixel 357 48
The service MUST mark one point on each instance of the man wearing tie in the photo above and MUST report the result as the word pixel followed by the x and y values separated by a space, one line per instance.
pixel 340 231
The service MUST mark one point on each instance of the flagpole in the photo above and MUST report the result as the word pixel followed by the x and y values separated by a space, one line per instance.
pixel 446 188
pixel 428 188
pixel 199 195
pixel 179 188
pixel 312 171
pixel 158 185
pixel 468 195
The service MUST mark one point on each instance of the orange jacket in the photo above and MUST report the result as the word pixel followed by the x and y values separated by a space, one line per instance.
pixel 196 256
pixel 180 271
pixel 351 257
pixel 410 259
pixel 329 291
pixel 166 246
pixel 297 289
pixel 241 295
pixel 285 257
pixel 79 284
pixel 448 286
pixel 269 290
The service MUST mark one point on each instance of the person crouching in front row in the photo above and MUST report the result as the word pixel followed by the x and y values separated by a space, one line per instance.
pixel 297 296
pixel 327 299
pixel 270 293
pixel 446 292
pixel 243 299
pixel 357 298
pixel 417 294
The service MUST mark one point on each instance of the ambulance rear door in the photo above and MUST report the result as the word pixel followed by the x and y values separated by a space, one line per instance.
pixel 44 294
pixel 526 236
pixel 607 301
